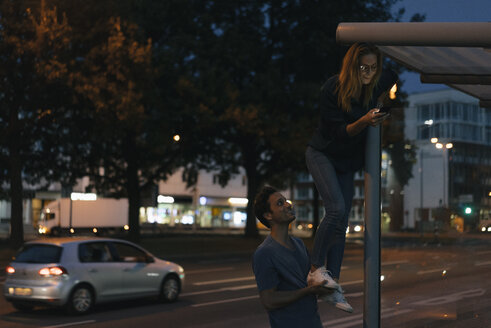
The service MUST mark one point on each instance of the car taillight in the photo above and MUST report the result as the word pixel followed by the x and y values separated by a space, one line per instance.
pixel 52 271
pixel 10 270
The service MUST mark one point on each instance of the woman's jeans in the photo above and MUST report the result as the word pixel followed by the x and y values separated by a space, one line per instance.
pixel 336 190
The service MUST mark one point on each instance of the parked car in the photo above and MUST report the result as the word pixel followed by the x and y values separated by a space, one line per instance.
pixel 78 272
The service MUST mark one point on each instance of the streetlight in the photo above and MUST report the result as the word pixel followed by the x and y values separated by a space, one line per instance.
pixel 439 145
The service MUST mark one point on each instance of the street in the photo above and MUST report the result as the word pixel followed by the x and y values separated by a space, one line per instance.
pixel 423 286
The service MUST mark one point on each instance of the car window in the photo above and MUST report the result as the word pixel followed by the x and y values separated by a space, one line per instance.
pixel 94 252
pixel 129 253
pixel 39 253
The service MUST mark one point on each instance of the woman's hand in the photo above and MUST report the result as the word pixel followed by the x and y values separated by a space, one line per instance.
pixel 374 117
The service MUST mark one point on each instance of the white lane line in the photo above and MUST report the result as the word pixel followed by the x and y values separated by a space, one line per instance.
pixel 208 270
pixel 71 324
pixel 354 294
pixel 482 263
pixel 354 282
pixel 223 281
pixel 349 321
pixel 224 289
pixel 226 301
pixel 395 262
pixel 430 271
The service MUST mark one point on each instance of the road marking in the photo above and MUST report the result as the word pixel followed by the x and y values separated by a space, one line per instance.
pixel 450 298
pixel 431 271
pixel 482 263
pixel 208 270
pixel 214 282
pixel 395 262
pixel 226 301
pixel 224 289
pixel 71 324
pixel 354 282
pixel 349 321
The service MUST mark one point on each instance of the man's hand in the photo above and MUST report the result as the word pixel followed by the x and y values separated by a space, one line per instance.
pixel 320 289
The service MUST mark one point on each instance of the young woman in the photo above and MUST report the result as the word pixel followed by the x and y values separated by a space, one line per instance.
pixel 348 105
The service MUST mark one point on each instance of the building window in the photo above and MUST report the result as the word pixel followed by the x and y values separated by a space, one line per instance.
pixel 303 193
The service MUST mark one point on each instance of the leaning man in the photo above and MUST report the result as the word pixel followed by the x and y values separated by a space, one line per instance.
pixel 281 265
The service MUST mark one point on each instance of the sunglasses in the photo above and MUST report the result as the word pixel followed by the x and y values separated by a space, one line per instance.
pixel 368 68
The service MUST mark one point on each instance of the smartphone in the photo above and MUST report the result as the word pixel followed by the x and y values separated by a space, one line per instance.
pixel 384 110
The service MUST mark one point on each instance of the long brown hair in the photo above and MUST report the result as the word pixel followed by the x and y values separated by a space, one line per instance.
pixel 350 84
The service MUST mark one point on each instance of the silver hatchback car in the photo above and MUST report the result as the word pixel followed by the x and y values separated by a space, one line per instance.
pixel 76 273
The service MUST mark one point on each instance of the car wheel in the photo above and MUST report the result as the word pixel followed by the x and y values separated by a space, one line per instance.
pixel 81 300
pixel 170 289
pixel 22 306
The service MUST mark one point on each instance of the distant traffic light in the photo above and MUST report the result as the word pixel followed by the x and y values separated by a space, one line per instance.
pixel 468 210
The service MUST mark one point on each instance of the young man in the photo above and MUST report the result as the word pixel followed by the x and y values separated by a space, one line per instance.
pixel 281 265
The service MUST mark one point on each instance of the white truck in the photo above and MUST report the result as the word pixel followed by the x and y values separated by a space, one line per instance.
pixel 77 216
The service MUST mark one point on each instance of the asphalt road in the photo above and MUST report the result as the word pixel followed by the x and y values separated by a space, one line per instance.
pixel 431 286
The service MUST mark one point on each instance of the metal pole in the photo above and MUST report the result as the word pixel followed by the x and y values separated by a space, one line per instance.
pixel 371 306
pixel 421 193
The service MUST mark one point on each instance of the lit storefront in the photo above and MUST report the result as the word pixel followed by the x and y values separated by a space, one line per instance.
pixel 205 212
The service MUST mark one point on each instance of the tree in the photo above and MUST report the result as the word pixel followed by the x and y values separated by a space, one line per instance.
pixel 260 66
pixel 33 40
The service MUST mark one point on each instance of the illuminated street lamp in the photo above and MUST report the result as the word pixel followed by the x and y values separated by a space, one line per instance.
pixel 439 145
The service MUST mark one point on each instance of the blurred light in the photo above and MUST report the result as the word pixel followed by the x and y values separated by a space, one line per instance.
pixel 310 226
pixel 382 278
pixel 83 196
pixel 439 145
pixel 289 202
pixel 483 229
pixel 398 303
pixel 489 229
pixel 72 230
pixel 393 91
pixel 444 272
pixel 489 194
pixel 203 200
pixel 49 211
pixel 52 271
pixel 187 219
pixel 449 145
pixel 357 228
pixel 299 227
pixel 10 270
pixel 468 210
pixel 429 122
pixel 94 230
pixel 347 230
pixel 126 227
pixel 434 140
pixel 165 199
pixel 176 137
pixel 238 201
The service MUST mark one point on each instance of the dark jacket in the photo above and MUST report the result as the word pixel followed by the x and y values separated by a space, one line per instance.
pixel 345 152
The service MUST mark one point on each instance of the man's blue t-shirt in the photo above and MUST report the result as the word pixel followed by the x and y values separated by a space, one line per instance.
pixel 275 265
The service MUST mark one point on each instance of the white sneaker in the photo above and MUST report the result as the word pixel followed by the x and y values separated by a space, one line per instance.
pixel 337 299
pixel 320 275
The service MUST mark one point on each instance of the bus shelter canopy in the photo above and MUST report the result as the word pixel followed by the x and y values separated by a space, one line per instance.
pixel 455 54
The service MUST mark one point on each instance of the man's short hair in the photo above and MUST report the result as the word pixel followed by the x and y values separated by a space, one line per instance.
pixel 261 204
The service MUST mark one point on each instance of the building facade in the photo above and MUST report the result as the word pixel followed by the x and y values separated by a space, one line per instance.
pixel 451 181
